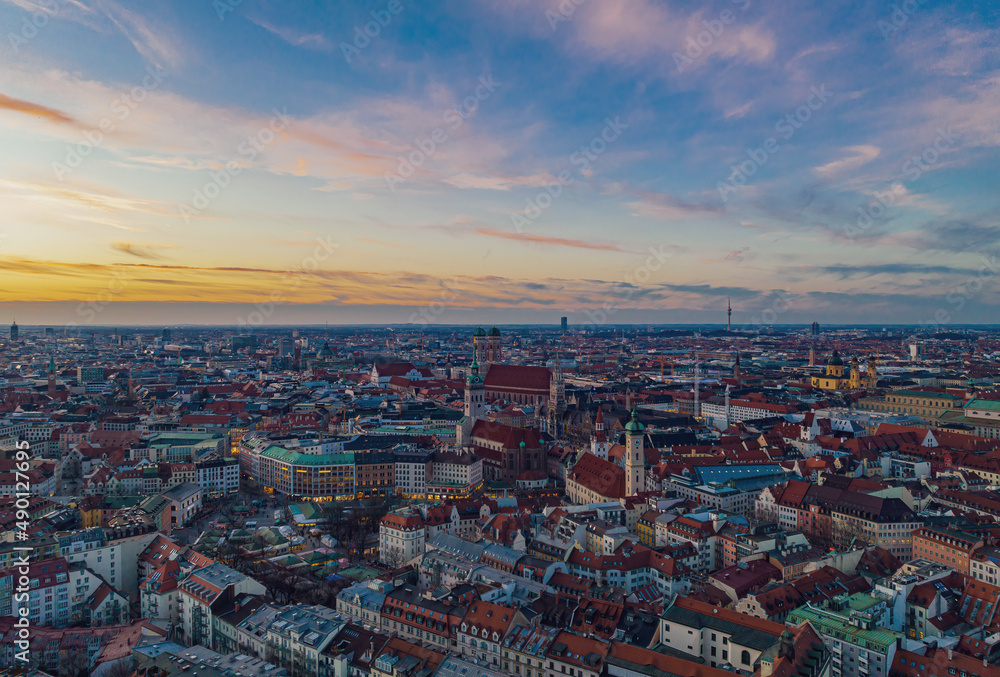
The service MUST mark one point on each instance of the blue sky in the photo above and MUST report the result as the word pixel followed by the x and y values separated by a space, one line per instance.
pixel 634 160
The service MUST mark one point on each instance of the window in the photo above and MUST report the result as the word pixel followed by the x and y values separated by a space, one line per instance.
pixel 745 657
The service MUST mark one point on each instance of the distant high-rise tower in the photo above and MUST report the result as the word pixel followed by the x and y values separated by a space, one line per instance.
pixel 165 334
pixel 729 313
pixel 564 324
pixel 14 331
pixel 814 330
pixel 635 457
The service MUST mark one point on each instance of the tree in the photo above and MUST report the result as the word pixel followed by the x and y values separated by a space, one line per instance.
pixel 767 511
pixel 279 582
pixel 124 667
pixel 392 557
pixel 849 532
pixel 74 662
pixel 232 555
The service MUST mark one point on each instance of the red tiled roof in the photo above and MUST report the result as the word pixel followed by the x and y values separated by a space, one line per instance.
pixel 602 477
pixel 508 436
pixel 512 377
pixel 938 663
pixel 491 617
pixel 670 665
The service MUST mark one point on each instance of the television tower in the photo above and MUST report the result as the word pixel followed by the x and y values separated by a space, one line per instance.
pixel 729 313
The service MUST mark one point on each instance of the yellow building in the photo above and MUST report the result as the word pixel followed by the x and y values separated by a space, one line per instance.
pixel 927 405
pixel 646 528
pixel 838 378
pixel 90 511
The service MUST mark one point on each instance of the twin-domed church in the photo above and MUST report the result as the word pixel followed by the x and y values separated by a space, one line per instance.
pixel 836 377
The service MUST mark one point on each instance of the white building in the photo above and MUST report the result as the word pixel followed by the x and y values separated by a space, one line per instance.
pixel 414 467
pixel 186 502
pixel 115 560
pixel 402 536
pixel 200 591
pixel 59 594
pixel 218 477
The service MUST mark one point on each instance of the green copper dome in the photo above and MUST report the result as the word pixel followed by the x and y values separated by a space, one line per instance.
pixel 634 426
pixel 474 377
pixel 494 332
pixel 835 360
pixel 325 351
pixel 479 332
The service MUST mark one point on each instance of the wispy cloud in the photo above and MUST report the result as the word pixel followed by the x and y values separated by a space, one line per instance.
pixel 544 239
pixel 37 110
pixel 294 37
pixel 855 271
pixel 670 208
pixel 856 157
pixel 152 39
pixel 142 250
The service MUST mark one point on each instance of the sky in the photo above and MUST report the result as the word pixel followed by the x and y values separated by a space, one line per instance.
pixel 499 161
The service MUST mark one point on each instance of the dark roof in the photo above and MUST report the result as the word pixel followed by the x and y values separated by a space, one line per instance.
pixel 760 636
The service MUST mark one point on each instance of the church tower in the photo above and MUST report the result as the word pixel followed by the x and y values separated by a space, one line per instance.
pixel 475 405
pixel 855 374
pixel 871 380
pixel 599 442
pixel 737 372
pixel 635 457
pixel 494 352
pixel 479 345
pixel 557 399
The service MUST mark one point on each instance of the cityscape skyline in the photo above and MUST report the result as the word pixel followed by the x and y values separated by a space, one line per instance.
pixel 498 162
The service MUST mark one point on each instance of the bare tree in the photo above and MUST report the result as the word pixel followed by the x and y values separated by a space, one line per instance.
pixel 74 663
pixel 848 532
pixel 279 582
pixel 125 667
pixel 767 512
pixel 392 557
